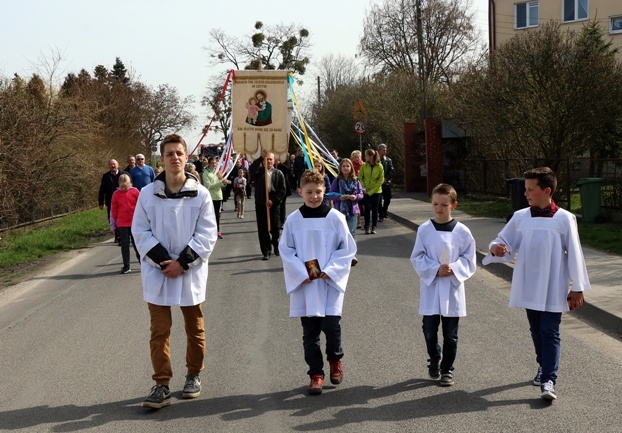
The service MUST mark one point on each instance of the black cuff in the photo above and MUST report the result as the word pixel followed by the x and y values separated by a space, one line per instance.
pixel 187 256
pixel 158 254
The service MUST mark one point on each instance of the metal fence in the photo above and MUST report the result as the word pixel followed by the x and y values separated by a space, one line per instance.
pixel 492 177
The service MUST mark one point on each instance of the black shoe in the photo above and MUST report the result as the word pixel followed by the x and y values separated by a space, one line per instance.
pixel 434 368
pixel 192 388
pixel 125 270
pixel 159 396
pixel 276 252
pixel 266 257
pixel 380 219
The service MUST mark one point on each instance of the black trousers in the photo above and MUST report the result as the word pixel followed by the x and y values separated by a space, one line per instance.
pixel 311 329
pixel 125 235
pixel 386 201
pixel 268 239
pixel 217 205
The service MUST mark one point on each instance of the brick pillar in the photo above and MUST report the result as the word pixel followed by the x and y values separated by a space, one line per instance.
pixel 414 158
pixel 434 152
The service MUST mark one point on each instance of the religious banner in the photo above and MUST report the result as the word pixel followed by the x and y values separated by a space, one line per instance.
pixel 260 118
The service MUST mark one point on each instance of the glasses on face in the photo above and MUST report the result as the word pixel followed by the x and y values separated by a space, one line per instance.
pixel 140 159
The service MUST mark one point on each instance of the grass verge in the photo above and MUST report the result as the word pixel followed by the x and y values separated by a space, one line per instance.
pixel 35 242
pixel 605 237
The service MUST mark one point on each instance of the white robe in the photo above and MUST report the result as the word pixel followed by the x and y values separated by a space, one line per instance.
pixel 548 257
pixel 443 295
pixel 329 241
pixel 174 223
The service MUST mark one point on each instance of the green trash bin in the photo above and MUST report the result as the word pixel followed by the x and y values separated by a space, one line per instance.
pixel 589 189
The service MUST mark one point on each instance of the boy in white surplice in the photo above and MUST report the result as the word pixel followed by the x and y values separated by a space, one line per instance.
pixel 317 251
pixel 444 258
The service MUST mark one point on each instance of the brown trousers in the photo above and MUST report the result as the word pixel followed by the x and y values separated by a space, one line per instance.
pixel 161 322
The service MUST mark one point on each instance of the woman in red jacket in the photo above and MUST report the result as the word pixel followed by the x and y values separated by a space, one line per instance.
pixel 123 205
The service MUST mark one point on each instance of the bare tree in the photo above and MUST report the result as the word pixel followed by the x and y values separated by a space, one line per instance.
pixel 390 42
pixel 337 71
pixel 282 47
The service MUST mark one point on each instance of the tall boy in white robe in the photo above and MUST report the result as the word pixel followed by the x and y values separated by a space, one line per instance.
pixel 545 239
pixel 444 258
pixel 317 250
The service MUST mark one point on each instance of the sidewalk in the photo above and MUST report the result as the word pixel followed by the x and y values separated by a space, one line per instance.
pixel 603 303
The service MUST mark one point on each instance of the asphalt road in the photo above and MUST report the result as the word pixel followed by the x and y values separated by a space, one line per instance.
pixel 74 352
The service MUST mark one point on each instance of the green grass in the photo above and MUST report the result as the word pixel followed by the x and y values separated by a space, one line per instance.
pixel 73 231
pixel 605 237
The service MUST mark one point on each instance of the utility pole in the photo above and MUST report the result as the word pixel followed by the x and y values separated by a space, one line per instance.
pixel 421 65
pixel 319 98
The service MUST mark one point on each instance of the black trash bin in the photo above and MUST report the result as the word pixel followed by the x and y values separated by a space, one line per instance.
pixel 517 193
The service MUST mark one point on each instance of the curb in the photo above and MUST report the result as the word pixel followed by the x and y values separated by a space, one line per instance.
pixel 589 312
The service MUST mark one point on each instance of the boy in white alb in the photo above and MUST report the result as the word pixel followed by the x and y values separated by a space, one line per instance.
pixel 545 240
pixel 444 258
pixel 317 250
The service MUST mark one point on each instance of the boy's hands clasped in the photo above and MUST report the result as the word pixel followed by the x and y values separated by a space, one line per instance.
pixel 444 271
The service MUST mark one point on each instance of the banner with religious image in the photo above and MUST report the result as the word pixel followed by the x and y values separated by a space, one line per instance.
pixel 260 117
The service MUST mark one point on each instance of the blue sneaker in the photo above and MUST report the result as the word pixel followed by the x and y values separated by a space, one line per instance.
pixel 537 381
pixel 548 390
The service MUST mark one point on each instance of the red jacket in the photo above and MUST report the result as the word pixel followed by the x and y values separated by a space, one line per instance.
pixel 123 205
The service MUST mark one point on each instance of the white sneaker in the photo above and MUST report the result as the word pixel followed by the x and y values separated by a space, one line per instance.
pixel 548 390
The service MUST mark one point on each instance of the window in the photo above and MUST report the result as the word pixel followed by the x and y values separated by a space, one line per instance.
pixel 615 24
pixel 574 10
pixel 526 15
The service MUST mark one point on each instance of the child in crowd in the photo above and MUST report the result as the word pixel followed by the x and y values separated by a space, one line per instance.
pixel 122 211
pixel 319 166
pixel 357 163
pixel 349 188
pixel 546 240
pixel 239 188
pixel 444 258
pixel 317 251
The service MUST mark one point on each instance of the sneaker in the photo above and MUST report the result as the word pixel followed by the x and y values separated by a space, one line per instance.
pixel 548 390
pixel 366 230
pixel 317 382
pixel 219 235
pixel 125 270
pixel 241 217
pixel 192 388
pixel 373 230
pixel 537 381
pixel 159 396
pixel 380 219
pixel 336 372
pixel 447 379
pixel 355 261
pixel 434 368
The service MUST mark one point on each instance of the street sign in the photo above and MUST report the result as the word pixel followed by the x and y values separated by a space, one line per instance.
pixel 360 128
pixel 360 112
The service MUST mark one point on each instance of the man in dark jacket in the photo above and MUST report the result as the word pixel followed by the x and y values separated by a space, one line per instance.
pixel 268 239
pixel 387 164
pixel 109 184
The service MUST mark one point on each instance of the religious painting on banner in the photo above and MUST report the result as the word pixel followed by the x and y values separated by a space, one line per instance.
pixel 260 118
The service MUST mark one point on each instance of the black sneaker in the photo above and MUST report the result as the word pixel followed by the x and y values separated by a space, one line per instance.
pixel 159 397
pixel 192 388
pixel 447 379
pixel 537 380
pixel 434 368
pixel 125 270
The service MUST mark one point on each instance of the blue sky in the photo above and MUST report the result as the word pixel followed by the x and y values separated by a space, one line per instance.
pixel 163 41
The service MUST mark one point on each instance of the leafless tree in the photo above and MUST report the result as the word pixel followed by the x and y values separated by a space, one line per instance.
pixel 390 41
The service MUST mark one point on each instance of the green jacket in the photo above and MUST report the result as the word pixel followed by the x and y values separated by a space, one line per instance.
pixel 214 185
pixel 371 178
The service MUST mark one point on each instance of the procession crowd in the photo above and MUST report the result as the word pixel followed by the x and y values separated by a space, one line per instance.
pixel 172 219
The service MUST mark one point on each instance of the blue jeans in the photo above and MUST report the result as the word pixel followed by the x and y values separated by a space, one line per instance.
pixel 450 339
pixel 544 327
pixel 351 221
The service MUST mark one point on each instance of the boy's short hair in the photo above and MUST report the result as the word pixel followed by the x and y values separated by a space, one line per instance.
pixel 173 138
pixel 446 189
pixel 545 176
pixel 125 178
pixel 312 176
